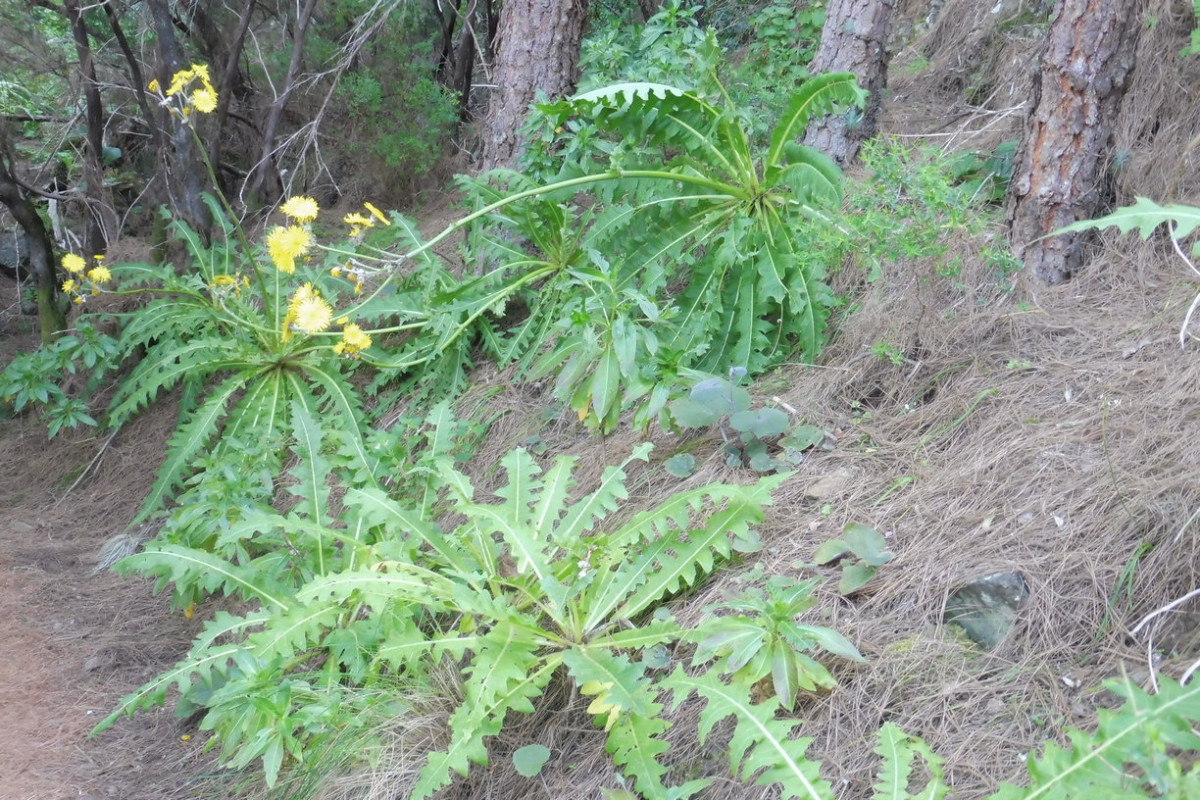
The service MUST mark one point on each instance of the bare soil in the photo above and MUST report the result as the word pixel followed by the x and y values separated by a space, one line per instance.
pixel 75 642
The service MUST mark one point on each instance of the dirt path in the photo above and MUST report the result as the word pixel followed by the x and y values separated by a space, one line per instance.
pixel 75 642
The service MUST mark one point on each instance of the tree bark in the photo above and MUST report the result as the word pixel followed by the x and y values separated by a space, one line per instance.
pixel 1058 175
pixel 464 63
pixel 102 217
pixel 537 50
pixel 51 318
pixel 854 39
pixel 185 175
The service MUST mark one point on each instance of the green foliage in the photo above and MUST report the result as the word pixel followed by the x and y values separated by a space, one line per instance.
pixel 764 640
pixel 899 750
pixel 1138 751
pixel 82 357
pixel 749 434
pixel 859 553
pixel 915 201
pixel 751 295
pixel 396 109
pixel 535 585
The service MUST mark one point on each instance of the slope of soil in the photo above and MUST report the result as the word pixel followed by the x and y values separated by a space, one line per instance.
pixel 75 642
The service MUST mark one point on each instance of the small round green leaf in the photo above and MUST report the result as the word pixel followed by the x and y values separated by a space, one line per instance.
pixel 681 465
pixel 763 423
pixel 530 759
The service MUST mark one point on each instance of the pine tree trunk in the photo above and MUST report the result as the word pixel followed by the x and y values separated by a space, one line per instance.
pixel 537 50
pixel 854 39
pixel 1059 172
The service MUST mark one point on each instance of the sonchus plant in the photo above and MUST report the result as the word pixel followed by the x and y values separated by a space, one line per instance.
pixel 709 212
pixel 535 586
pixel 256 335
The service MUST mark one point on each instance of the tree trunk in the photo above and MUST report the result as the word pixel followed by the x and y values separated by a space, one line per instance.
pixel 102 217
pixel 51 318
pixel 185 175
pixel 1058 175
pixel 464 64
pixel 266 163
pixel 537 50
pixel 854 39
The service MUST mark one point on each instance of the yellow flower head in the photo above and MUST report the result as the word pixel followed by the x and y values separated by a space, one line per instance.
pixel 204 100
pixel 313 314
pixel 301 209
pixel 285 245
pixel 353 341
pixel 305 292
pixel 358 223
pixel 154 87
pixel 375 212
pixel 69 285
pixel 73 263
pixel 99 275
pixel 224 280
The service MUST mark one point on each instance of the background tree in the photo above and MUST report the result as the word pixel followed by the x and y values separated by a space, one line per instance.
pixel 537 51
pixel 14 197
pixel 854 40
pixel 1059 172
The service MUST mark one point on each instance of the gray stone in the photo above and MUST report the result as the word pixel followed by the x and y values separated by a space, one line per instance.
pixel 830 486
pixel 986 607
pixel 14 253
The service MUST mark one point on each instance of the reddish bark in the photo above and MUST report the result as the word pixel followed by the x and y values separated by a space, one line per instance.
pixel 1059 172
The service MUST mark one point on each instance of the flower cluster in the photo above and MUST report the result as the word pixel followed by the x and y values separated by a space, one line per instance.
pixel 83 280
pixel 353 341
pixel 307 312
pixel 360 222
pixel 222 284
pixel 352 272
pixel 286 243
pixel 194 88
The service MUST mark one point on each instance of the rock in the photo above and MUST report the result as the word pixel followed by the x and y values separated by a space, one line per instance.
pixel 831 485
pixel 986 607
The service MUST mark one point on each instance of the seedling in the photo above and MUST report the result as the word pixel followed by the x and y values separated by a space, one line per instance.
pixel 859 552
pixel 748 433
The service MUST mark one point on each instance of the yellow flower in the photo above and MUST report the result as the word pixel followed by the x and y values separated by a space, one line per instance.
pixel 69 285
pixel 78 300
pixel 154 87
pixel 353 341
pixel 224 280
pixel 375 212
pixel 301 209
pixel 358 223
pixel 305 292
pixel 99 275
pixel 73 263
pixel 205 100
pixel 285 245
pixel 179 80
pixel 313 314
